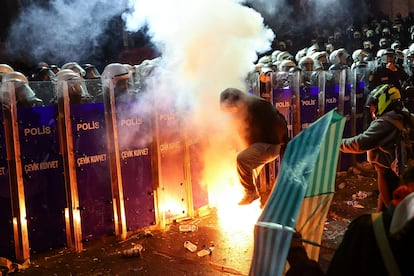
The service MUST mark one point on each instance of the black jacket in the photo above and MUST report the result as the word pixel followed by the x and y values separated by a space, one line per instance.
pixel 359 254
pixel 378 141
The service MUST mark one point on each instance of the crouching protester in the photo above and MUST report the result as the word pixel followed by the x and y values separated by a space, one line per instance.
pixel 373 244
pixel 263 130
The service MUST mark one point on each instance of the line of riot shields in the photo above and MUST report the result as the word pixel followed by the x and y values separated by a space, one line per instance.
pixel 304 96
pixel 75 170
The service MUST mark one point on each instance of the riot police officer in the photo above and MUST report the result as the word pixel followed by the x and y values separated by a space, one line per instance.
pixel 387 72
pixel 25 96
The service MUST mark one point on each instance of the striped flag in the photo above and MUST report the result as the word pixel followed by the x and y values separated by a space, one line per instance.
pixel 308 171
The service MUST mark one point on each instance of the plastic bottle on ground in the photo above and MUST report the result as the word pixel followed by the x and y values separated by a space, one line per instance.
pixel 205 252
pixel 190 246
pixel 188 228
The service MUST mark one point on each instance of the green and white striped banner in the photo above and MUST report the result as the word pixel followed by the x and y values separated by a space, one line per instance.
pixel 308 170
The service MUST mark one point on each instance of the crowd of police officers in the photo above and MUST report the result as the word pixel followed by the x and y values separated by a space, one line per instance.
pixel 86 82
pixel 379 51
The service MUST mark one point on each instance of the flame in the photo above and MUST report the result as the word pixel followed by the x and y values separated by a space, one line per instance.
pixel 236 222
pixel 171 206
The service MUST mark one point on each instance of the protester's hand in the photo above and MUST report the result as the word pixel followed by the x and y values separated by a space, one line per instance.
pixel 296 240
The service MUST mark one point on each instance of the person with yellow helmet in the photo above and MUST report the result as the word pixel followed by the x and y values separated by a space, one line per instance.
pixel 380 139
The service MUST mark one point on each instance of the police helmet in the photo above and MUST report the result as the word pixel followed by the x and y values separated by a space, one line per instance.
pixel 115 72
pixel 286 64
pixel 5 68
pixel 90 71
pixel 74 66
pixel 18 78
pixel 25 96
pixel 306 63
pixel 285 55
pixel 265 60
pixel 76 85
pixel 359 55
pixel 388 53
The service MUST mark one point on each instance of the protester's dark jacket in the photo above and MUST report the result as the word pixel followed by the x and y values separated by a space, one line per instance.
pixel 265 124
pixel 358 253
pixel 378 141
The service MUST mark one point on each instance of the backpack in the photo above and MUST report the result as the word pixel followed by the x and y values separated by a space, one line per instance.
pixel 405 145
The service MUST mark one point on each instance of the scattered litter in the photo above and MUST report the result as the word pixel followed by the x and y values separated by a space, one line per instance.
pixel 190 246
pixel 332 235
pixel 188 228
pixel 341 174
pixel 351 202
pixel 356 171
pixel 342 185
pixel 135 251
pixel 205 252
pixel 138 235
pixel 148 233
pixel 10 267
pixel 162 254
pixel 361 195
pixel 225 269
pixel 358 196
pixel 364 166
pixel 354 204
pixel 359 206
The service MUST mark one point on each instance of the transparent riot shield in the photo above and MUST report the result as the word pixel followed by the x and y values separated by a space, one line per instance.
pixel 83 137
pixel 340 94
pixel 42 177
pixel 6 238
pixel 42 171
pixel 94 87
pixel 283 100
pixel 130 128
pixel 252 82
pixel 173 189
pixel 18 218
pixel 196 142
pixel 43 90
pixel 308 101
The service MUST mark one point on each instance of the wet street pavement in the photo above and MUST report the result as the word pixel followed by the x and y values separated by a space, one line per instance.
pixel 163 251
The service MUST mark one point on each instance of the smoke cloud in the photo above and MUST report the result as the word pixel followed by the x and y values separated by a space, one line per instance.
pixel 296 18
pixel 206 46
pixel 62 30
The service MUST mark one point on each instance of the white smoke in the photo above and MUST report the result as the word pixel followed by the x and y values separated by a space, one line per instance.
pixel 206 46
pixel 62 30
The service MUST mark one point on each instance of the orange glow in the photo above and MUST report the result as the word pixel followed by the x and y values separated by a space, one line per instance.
pixel 76 216
pixel 170 206
pixel 225 191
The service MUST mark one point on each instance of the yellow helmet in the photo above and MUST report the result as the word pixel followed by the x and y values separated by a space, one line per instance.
pixel 385 97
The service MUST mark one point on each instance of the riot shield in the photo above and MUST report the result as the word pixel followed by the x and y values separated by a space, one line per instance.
pixel 42 177
pixel 131 143
pixel 6 238
pixel 83 138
